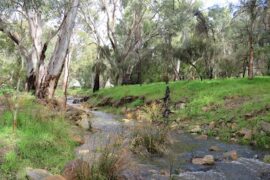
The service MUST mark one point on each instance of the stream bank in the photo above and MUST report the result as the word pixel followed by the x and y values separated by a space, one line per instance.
pixel 178 164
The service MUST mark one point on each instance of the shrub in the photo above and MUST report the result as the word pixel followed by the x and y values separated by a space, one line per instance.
pixel 148 136
pixel 113 159
pixel 152 112
pixel 149 139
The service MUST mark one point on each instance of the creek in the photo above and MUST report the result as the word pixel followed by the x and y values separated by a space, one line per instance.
pixel 183 148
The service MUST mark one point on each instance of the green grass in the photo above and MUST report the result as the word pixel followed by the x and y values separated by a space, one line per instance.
pixel 40 141
pixel 4 90
pixel 206 101
pixel 199 92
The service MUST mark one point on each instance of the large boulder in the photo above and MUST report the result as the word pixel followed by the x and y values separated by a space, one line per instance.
pixel 76 169
pixel 37 174
pixel 206 160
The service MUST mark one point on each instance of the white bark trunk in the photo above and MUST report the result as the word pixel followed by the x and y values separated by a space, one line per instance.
pixel 178 66
pixel 58 57
pixel 66 76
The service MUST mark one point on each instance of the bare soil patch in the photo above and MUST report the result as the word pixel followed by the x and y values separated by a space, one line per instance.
pixel 233 102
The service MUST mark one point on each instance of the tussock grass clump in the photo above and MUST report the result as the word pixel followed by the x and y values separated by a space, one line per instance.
pixel 152 113
pixel 114 158
pixel 149 139
pixel 150 136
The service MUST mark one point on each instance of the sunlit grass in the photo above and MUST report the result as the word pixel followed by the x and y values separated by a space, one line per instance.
pixel 41 140
pixel 218 97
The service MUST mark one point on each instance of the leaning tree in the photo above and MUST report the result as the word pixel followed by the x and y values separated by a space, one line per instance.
pixel 32 25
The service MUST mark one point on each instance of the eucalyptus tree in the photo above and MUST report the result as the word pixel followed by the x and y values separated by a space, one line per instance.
pixel 128 34
pixel 27 24
pixel 176 20
pixel 93 25
pixel 263 38
pixel 9 62
pixel 222 39
pixel 249 11
pixel 120 29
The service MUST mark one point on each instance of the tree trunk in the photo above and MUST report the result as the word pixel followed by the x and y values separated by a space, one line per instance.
pixel 33 59
pixel 251 58
pixel 48 84
pixel 66 76
pixel 244 67
pixel 96 81
pixel 177 71
pixel 140 72
pixel 15 99
pixel 31 83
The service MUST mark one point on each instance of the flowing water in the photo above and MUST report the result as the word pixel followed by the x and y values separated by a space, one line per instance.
pixel 184 147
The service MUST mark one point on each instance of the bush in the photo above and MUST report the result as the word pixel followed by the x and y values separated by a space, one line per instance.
pixel 152 113
pixel 113 160
pixel 149 139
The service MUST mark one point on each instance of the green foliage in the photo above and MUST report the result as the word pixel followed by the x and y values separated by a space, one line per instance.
pixel 41 141
pixel 82 63
pixel 10 163
pixel 136 103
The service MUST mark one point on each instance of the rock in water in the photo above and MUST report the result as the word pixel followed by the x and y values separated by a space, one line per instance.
pixel 206 160
pixel 201 137
pixel 209 159
pixel 215 148
pixel 37 174
pixel 231 155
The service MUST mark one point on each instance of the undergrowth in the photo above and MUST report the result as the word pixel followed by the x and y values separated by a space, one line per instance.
pixel 41 139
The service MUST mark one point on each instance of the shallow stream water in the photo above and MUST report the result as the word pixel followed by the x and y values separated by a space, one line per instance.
pixel 184 147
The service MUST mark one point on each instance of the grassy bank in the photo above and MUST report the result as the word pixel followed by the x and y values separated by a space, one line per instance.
pixel 40 141
pixel 231 105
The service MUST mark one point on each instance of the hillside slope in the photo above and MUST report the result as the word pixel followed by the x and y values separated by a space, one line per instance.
pixel 235 110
